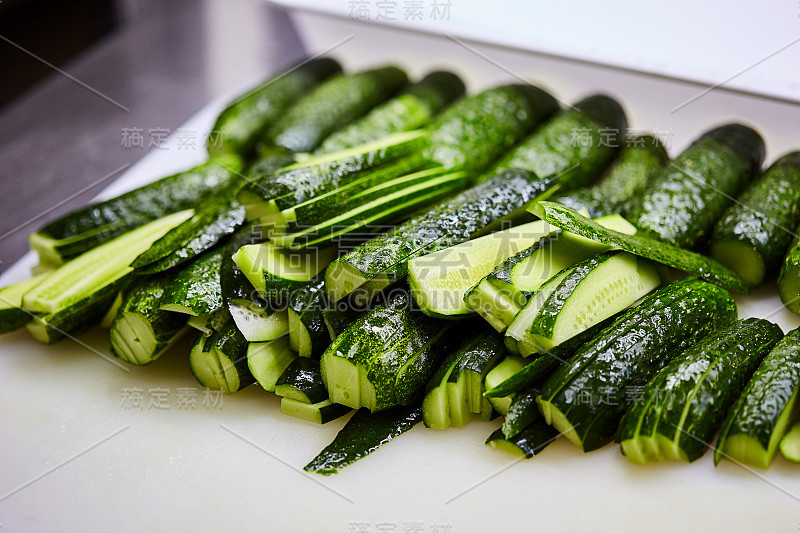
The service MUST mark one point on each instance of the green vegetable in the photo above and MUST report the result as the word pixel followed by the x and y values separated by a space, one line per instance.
pixel 790 444
pixel 364 433
pixel 308 334
pixel 319 413
pixel 268 361
pixel 527 443
pixel 578 298
pixel 455 391
pixel 414 108
pixel 640 245
pixel 140 331
pixel 302 381
pixel 640 161
pixel 84 229
pixel 12 316
pixel 333 104
pixel 754 234
pixel 585 398
pixel 766 408
pixel 236 128
pixel 256 323
pixel 682 408
pixel 522 412
pixel 440 279
pixel 99 267
pixel 196 290
pixel 219 361
pixel 508 367
pixel 576 146
pixel 693 191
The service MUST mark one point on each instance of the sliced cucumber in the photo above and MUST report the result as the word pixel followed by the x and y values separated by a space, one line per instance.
pixel 268 361
pixel 256 323
pixel 790 444
pixel 509 366
pixel 440 280
pixel 220 360
pixel 208 324
pixel 274 271
pixel 527 443
pixel 521 412
pixel 321 412
pixel 12 316
pixel 518 337
pixel 98 267
pixel 302 381
pixel 111 314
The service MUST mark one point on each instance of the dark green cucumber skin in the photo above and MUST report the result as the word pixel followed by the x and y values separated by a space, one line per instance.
pixel 333 104
pixel 631 351
pixel 412 109
pixel 309 302
pixel 237 126
pixel 722 363
pixel 143 297
pixel 295 185
pixel 303 374
pixel 535 372
pixel 364 433
pixel 762 401
pixel 522 412
pixel 641 245
pixel 230 342
pixel 553 151
pixel 212 222
pixel 545 321
pixel 452 222
pixel 198 285
pixel 475 131
pixel 789 278
pixel 531 440
pixel 83 314
pixel 13 319
pixel 695 189
pixel 639 162
pixel 105 220
pixel 766 213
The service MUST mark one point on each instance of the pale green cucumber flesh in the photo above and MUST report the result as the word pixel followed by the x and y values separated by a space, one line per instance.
pixel 506 368
pixel 259 260
pixel 213 369
pixel 518 337
pixel 257 324
pixel 268 360
pixel 790 444
pixel 497 302
pixel 742 259
pixel 319 413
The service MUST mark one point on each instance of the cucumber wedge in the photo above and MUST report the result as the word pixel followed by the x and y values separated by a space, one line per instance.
pixel 455 392
pixel 302 381
pixel 256 323
pixel 790 444
pixel 220 360
pixel 766 408
pixel 440 280
pixel 12 316
pixel 274 271
pixel 268 361
pixel 585 398
pixel 321 412
pixel 522 412
pixel 502 294
pixel 141 332
pixel 308 334
pixel 588 293
pixel 682 408
pixel 98 267
pixel 527 443
pixel 509 366
pixel 196 290
pixel 364 433
pixel 660 252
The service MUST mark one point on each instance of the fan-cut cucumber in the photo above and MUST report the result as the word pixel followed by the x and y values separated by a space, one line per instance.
pixel 592 291
pixel 503 293
pixel 141 332
pixel 267 361
pixel 273 270
pixel 751 433
pixel 98 267
pixel 440 280
pixel 256 323
pixel 220 361
pixel 455 392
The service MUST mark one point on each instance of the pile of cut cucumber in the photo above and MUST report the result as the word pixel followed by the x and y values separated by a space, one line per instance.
pixel 363 242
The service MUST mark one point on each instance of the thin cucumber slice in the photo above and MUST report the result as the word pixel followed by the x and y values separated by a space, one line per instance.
pixel 273 270
pixel 12 316
pixel 649 248
pixel 519 339
pixel 257 324
pixel 509 366
pixel 268 361
pixel 97 267
pixel 302 381
pixel 440 280
pixel 319 413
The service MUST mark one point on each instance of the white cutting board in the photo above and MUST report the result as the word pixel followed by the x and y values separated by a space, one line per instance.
pixel 73 458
